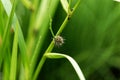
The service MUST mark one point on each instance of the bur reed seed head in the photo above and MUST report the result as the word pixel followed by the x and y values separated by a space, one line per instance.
pixel 58 41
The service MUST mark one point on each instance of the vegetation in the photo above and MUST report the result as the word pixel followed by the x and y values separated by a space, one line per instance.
pixel 37 36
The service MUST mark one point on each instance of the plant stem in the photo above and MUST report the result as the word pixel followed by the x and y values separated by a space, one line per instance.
pixel 13 67
pixel 49 49
pixel 51 30
pixel 8 7
pixel 42 30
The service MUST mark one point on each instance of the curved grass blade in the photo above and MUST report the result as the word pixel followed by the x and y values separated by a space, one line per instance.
pixel 71 60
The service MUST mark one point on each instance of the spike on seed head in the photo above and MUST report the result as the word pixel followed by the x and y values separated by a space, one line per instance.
pixel 58 41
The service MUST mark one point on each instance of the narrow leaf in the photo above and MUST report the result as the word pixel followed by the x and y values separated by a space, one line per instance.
pixel 71 60
pixel 8 7
pixel 14 56
pixel 6 31
pixel 65 5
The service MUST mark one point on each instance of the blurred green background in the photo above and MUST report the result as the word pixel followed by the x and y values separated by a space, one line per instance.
pixel 92 38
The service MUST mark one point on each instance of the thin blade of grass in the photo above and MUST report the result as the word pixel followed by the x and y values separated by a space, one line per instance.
pixel 71 60
pixel 14 56
pixel 6 33
pixel 42 23
pixel 6 66
pixel 65 5
pixel 7 6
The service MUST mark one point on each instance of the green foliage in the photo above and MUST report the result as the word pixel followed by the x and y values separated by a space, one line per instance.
pixel 91 33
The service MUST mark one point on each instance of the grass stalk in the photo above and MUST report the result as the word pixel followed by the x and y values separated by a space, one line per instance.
pixel 6 32
pixel 43 30
pixel 49 49
pixel 13 67
pixel 8 7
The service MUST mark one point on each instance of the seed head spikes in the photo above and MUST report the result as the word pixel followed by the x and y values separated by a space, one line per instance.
pixel 58 41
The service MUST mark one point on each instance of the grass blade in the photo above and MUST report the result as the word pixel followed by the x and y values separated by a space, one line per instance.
pixel 14 56
pixel 7 6
pixel 42 23
pixel 65 5
pixel 71 60
pixel 6 32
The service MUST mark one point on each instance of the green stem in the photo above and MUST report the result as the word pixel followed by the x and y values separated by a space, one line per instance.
pixel 31 26
pixel 6 32
pixel 51 28
pixel 28 5
pixel 13 67
pixel 42 31
pixel 62 26
pixel 49 49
